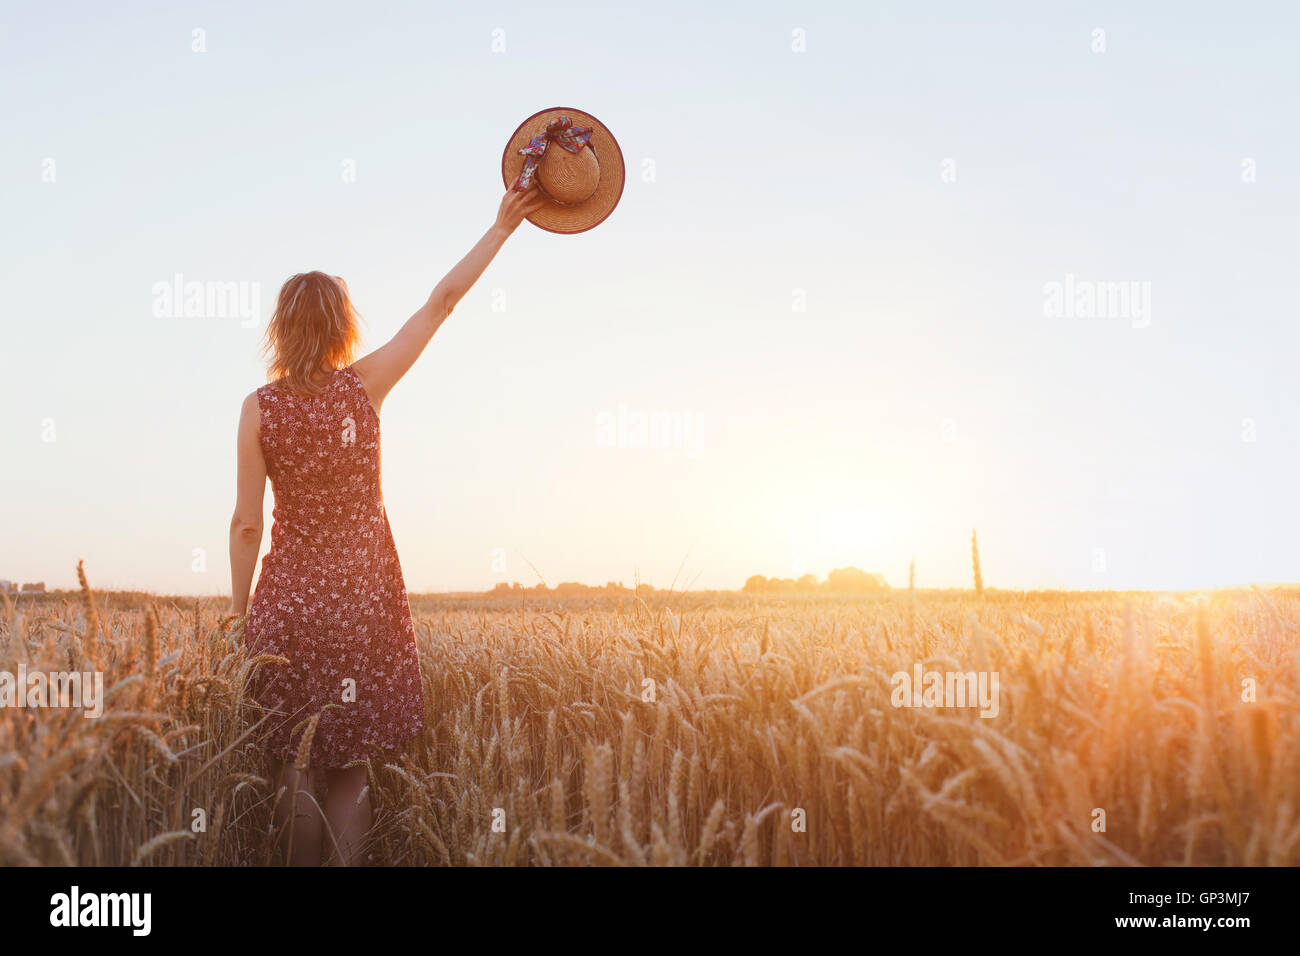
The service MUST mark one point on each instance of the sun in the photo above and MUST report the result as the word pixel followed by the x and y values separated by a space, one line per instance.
pixel 846 537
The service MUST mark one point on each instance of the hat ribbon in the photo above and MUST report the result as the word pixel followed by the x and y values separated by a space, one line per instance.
pixel 562 133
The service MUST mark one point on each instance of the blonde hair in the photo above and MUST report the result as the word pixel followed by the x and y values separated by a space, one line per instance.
pixel 314 328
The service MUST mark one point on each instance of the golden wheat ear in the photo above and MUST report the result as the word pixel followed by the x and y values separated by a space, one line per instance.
pixel 88 642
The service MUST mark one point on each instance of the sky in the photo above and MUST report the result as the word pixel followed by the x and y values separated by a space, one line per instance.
pixel 893 270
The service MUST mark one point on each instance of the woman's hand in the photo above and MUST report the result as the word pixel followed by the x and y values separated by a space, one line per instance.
pixel 517 206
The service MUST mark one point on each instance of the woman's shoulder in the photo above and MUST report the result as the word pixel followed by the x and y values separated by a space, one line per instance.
pixel 358 377
pixel 263 395
pixel 273 391
pixel 250 413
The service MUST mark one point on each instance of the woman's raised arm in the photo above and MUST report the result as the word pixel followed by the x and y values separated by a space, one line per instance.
pixel 381 369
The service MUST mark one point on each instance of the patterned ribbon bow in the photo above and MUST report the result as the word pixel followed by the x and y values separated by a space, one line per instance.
pixel 562 133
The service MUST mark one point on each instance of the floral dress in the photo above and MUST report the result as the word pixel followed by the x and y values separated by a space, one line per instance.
pixel 331 597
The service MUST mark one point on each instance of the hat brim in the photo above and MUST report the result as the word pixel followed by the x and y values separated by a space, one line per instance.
pixel 595 209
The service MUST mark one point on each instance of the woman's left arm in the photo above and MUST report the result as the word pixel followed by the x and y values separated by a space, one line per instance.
pixel 246 524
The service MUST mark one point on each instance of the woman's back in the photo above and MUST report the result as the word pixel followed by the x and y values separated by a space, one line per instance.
pixel 322 456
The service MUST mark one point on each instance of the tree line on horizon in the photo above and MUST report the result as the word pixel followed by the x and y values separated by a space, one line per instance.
pixel 848 580
pixel 841 580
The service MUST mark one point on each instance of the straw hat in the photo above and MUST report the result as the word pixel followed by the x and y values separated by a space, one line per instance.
pixel 575 162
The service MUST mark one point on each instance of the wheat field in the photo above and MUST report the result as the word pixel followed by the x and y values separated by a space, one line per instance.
pixel 697 729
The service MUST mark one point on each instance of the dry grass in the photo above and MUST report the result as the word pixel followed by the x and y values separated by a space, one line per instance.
pixel 765 711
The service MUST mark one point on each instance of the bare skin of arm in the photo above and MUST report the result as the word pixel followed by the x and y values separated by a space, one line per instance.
pixel 383 368
pixel 246 523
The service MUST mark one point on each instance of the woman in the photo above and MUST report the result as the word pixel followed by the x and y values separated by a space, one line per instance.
pixel 331 597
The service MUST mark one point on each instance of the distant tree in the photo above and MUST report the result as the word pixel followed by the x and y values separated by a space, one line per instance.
pixel 808 582
pixel 756 585
pixel 854 580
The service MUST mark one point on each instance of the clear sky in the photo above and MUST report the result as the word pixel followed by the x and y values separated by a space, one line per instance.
pixel 833 266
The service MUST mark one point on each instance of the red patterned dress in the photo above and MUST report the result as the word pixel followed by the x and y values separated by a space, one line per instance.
pixel 331 597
